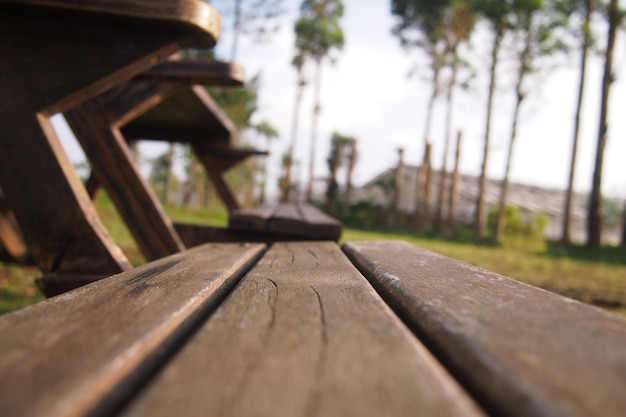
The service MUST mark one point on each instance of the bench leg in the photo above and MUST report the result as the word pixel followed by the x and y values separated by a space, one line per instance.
pixel 115 169
pixel 50 203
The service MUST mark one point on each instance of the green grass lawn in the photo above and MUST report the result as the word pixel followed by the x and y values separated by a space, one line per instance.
pixel 597 277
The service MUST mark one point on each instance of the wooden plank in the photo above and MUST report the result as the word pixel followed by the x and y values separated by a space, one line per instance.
pixel 319 224
pixel 116 170
pixel 199 71
pixel 521 350
pixel 303 334
pixel 253 220
pixel 195 234
pixel 85 351
pixel 194 14
pixel 189 114
pixel 53 44
pixel 287 219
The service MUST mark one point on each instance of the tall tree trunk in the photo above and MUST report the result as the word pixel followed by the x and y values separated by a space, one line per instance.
pixel 524 64
pixel 594 219
pixel 421 181
pixel 441 196
pixel 286 185
pixel 454 189
pixel 398 181
pixel 481 210
pixel 569 194
pixel 169 175
pixel 425 223
pixel 352 158
pixel 623 242
pixel 316 114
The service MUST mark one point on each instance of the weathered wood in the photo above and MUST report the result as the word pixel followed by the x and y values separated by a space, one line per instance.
pixel 188 115
pixel 123 49
pixel 303 334
pixel 48 199
pixel 194 14
pixel 88 349
pixel 254 219
pixel 116 170
pixel 55 54
pixel 521 350
pixel 319 224
pixel 290 219
pixel 194 235
pixel 287 219
pixel 199 71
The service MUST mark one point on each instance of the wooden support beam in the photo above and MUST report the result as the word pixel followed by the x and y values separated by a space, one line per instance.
pixel 115 169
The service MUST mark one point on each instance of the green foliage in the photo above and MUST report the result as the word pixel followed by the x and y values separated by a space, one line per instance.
pixel 318 31
pixel 521 223
pixel 239 104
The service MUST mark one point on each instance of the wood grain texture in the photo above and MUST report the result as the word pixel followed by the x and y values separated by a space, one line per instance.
pixel 303 335
pixel 69 354
pixel 199 71
pixel 116 170
pixel 195 15
pixel 521 350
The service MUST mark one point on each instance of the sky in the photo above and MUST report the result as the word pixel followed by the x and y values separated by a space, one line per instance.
pixel 367 94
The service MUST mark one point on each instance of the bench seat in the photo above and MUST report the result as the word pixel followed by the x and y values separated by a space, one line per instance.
pixel 297 220
pixel 302 329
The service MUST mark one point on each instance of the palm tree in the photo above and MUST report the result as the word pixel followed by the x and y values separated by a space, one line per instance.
pixel 318 35
pixel 589 7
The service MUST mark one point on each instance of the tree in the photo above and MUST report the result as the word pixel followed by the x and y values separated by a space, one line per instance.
pixel 298 62
pixel 594 217
pixel 421 24
pixel 495 12
pixel 454 187
pixel 338 144
pixel 623 241
pixel 351 160
pixel 398 181
pixel 586 35
pixel 318 35
pixel 533 25
pixel 459 24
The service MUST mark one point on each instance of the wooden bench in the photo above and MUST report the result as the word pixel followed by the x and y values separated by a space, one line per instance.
pixel 300 329
pixel 160 104
pixel 277 223
pixel 55 55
